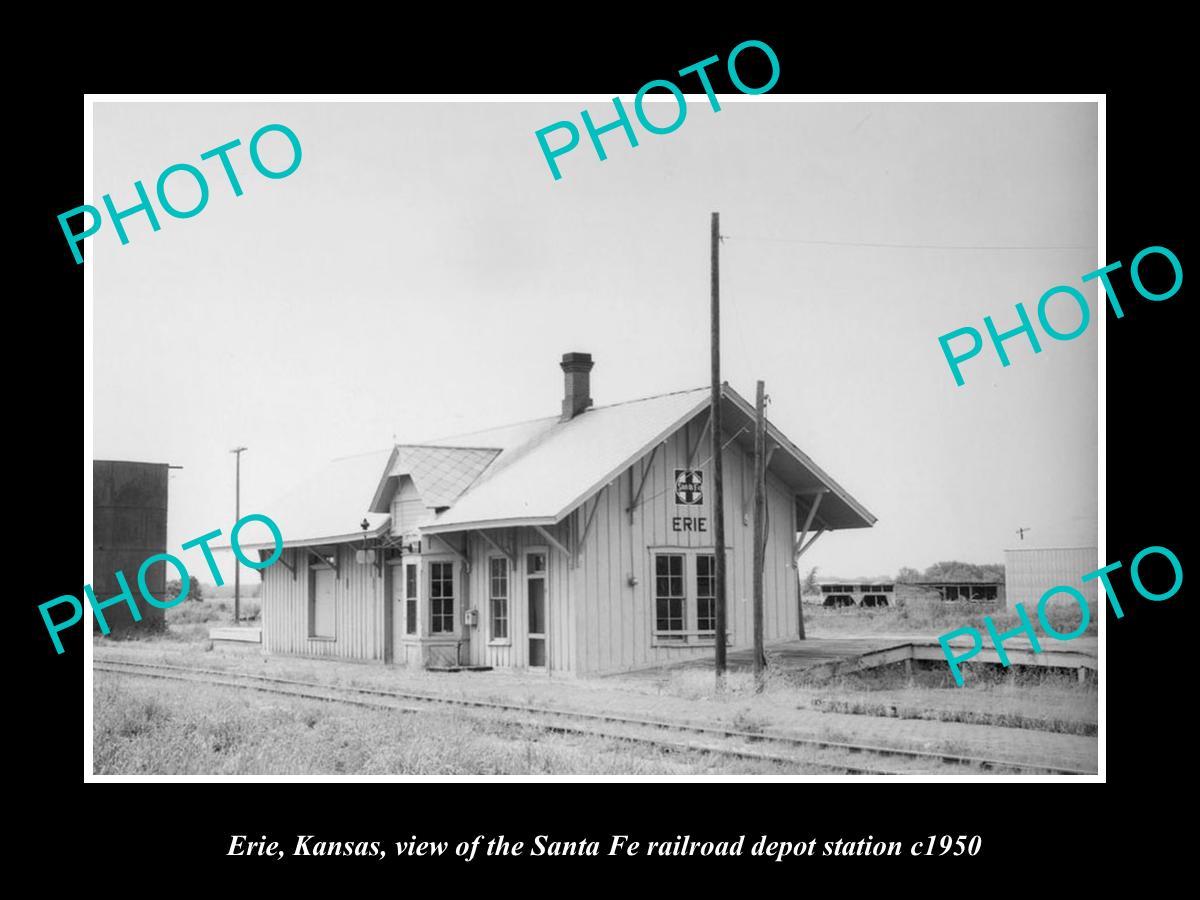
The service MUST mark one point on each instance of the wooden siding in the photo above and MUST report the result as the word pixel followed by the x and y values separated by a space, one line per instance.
pixel 561 633
pixel 598 621
pixel 408 510
pixel 358 612
pixel 615 621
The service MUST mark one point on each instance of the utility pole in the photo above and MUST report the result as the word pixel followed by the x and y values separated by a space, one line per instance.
pixel 237 514
pixel 760 475
pixel 718 508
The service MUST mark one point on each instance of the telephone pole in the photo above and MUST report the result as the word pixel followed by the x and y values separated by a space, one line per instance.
pixel 237 514
pixel 718 507
pixel 760 476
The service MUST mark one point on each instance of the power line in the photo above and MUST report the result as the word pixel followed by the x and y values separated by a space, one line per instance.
pixel 910 246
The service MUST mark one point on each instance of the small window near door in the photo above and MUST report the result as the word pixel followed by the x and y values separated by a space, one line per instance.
pixel 498 597
pixel 441 598
pixel 410 598
pixel 706 593
pixel 535 594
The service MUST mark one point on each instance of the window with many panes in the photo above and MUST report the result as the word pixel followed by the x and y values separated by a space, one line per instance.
pixel 706 593
pixel 670 598
pixel 498 597
pixel 685 597
pixel 441 597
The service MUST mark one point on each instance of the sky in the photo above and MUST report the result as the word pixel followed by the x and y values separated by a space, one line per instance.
pixel 421 273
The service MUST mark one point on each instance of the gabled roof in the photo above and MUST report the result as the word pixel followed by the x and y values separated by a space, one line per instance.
pixel 794 467
pixel 440 474
pixel 329 507
pixel 550 467
pixel 538 472
pixel 554 465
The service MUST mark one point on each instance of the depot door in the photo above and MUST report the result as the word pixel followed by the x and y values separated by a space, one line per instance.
pixel 322 621
pixel 535 592
pixel 405 591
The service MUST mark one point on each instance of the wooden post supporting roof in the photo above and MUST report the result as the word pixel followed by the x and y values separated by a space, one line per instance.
pixel 495 545
pixel 588 525
pixel 291 567
pixel 550 539
pixel 760 543
pixel 331 562
pixel 812 540
pixel 462 557
pixel 633 501
pixel 812 514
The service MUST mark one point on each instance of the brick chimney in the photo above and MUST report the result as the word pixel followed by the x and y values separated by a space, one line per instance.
pixel 577 384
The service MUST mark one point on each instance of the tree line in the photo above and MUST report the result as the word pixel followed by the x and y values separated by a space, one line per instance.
pixel 946 570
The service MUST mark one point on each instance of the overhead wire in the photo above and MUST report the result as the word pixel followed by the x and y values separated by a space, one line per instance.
pixel 901 246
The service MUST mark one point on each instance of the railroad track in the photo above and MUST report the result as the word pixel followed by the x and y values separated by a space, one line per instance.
pixel 729 742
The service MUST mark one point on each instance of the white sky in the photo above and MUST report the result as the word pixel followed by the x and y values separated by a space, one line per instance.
pixel 421 274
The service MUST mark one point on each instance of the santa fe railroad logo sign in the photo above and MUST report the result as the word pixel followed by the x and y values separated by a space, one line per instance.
pixel 689 486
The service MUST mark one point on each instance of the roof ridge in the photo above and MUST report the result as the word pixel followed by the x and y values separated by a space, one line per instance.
pixel 651 397
pixel 450 437
pixel 445 447
pixel 429 442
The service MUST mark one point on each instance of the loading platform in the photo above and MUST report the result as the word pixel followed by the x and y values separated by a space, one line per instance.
pixel 831 657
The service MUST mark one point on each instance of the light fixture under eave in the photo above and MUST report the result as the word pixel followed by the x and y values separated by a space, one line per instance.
pixel 364 555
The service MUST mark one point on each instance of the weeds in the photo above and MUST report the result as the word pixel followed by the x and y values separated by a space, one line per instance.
pixel 965 716
pixel 191 621
pixel 748 721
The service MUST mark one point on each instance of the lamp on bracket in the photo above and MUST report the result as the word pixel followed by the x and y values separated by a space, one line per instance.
pixel 364 555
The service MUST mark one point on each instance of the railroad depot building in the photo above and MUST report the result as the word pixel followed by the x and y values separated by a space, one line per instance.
pixel 577 543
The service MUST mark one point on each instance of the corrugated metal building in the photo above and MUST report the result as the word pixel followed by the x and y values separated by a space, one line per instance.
pixel 129 515
pixel 578 543
pixel 1030 572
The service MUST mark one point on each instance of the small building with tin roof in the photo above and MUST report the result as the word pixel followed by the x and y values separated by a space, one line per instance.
pixel 576 543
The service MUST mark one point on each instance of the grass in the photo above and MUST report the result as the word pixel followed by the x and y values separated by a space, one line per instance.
pixel 1038 711
pixel 699 684
pixel 1031 699
pixel 1021 697
pixel 150 728
pixel 1001 719
pixel 191 620
pixel 749 721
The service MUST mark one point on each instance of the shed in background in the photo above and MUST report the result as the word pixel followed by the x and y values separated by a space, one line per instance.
pixel 129 513
pixel 1030 572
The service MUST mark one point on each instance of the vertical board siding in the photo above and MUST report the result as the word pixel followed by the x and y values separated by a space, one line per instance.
pixel 598 621
pixel 561 635
pixel 358 609
pixel 616 620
